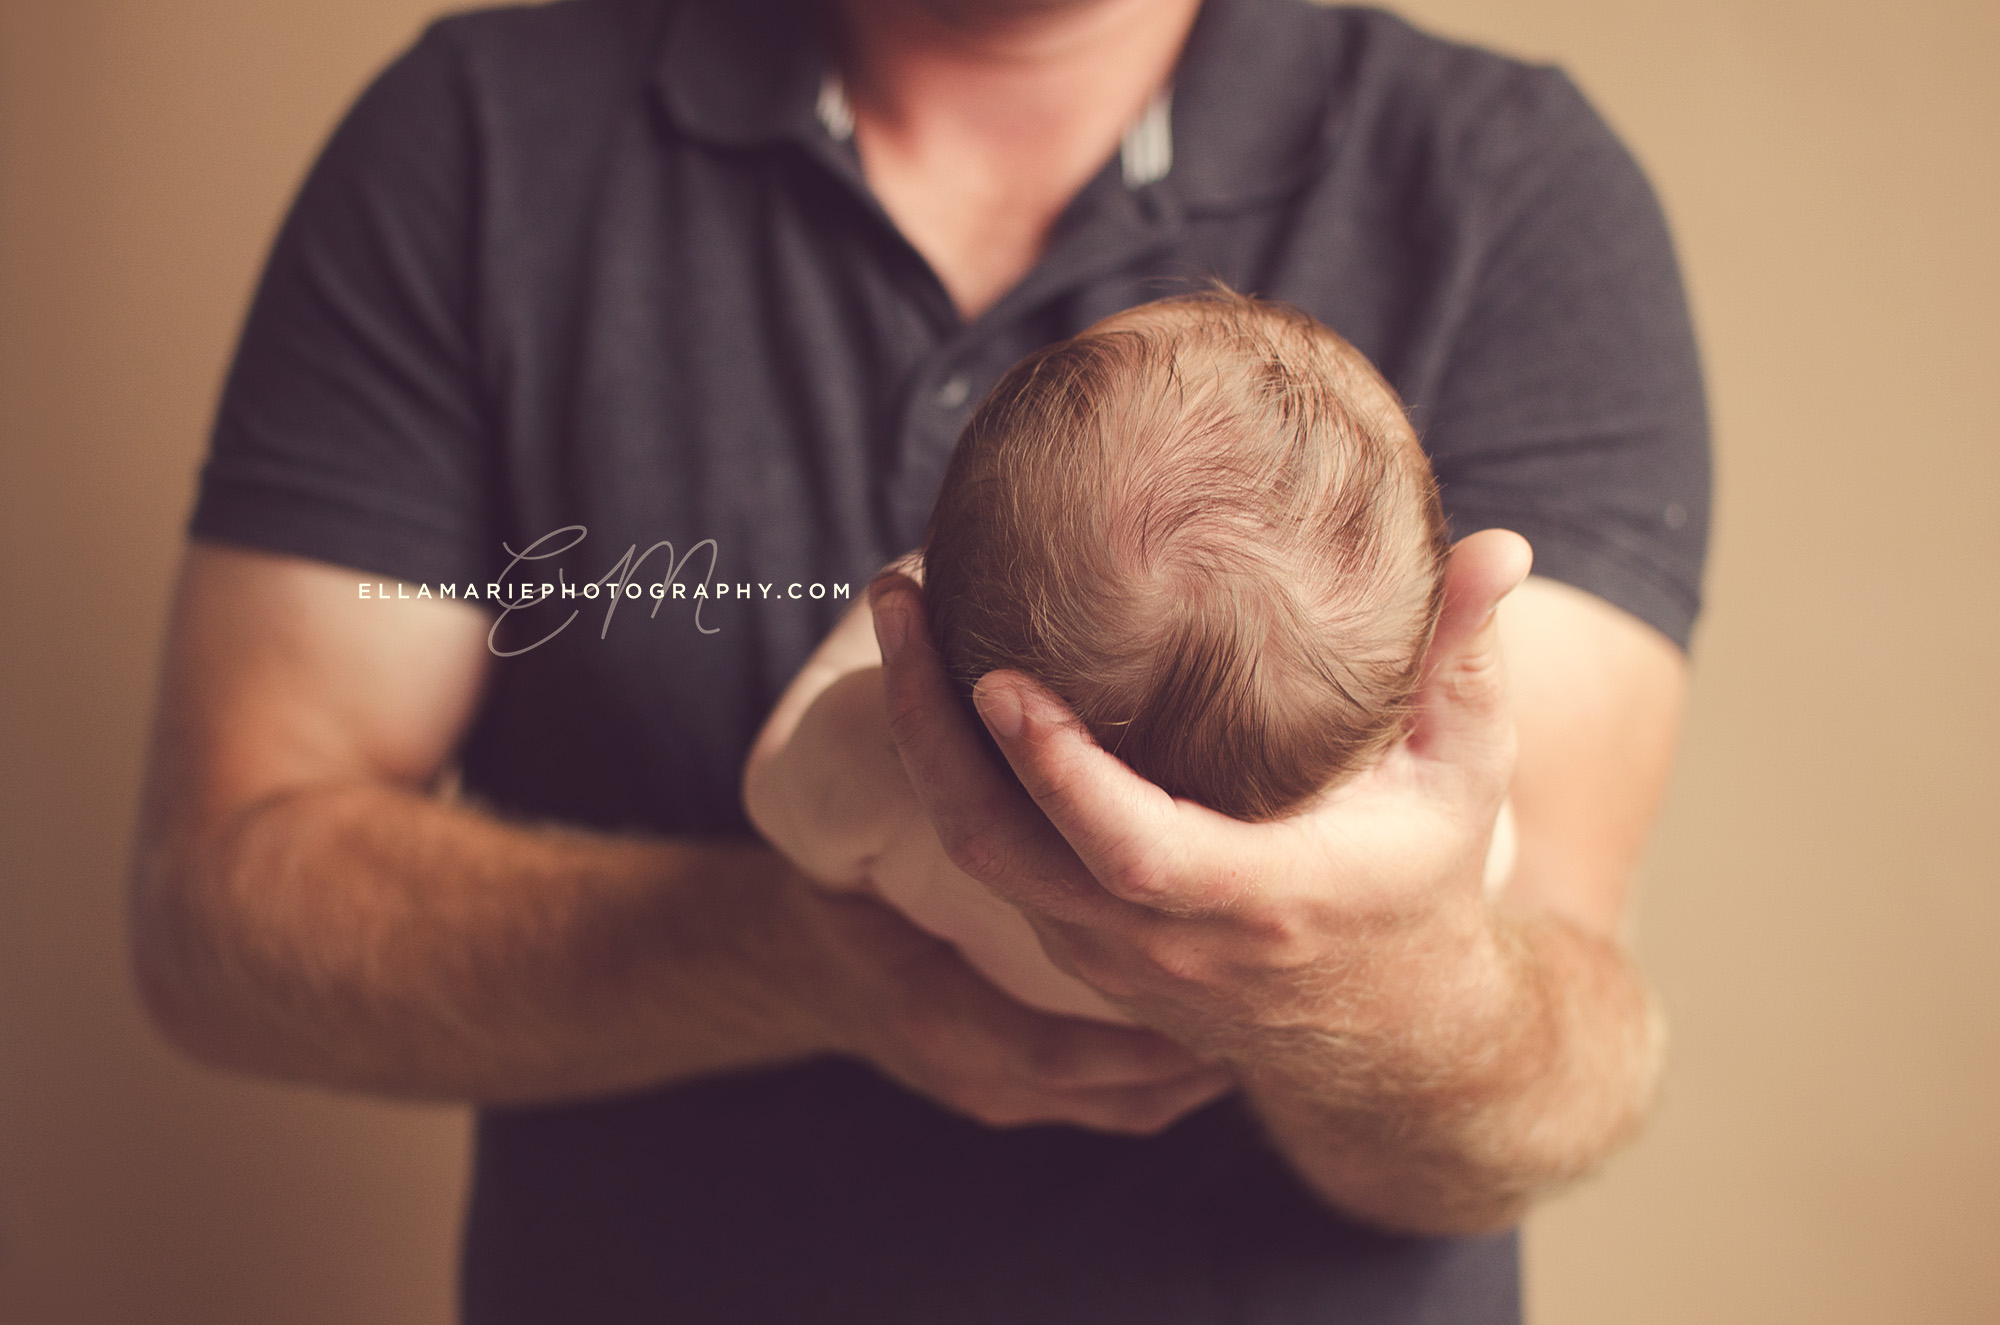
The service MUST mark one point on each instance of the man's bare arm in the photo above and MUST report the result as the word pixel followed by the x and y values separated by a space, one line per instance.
pixel 1428 1058
pixel 304 907
pixel 1558 1053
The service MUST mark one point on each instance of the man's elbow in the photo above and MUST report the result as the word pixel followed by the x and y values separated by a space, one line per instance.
pixel 1425 1204
pixel 1486 1179
pixel 164 951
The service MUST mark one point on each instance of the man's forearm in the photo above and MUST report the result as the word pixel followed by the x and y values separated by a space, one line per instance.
pixel 1451 1115
pixel 361 936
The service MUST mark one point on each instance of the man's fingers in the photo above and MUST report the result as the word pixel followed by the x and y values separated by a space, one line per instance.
pixel 969 1046
pixel 1020 1066
pixel 1146 1110
pixel 1073 1054
pixel 959 1017
pixel 988 827
pixel 1129 1111
pixel 1127 832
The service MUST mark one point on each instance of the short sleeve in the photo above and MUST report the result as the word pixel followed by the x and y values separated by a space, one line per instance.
pixel 1572 409
pixel 350 428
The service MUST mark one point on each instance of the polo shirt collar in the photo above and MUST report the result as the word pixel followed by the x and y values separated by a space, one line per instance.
pixel 1250 107
pixel 1252 97
pixel 742 73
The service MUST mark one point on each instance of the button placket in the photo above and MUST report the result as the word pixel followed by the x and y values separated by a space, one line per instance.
pixel 952 392
pixel 941 396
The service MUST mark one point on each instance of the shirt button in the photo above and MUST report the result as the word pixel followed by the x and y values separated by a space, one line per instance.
pixel 951 393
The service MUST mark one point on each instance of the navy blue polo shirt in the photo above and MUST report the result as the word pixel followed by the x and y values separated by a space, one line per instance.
pixel 594 296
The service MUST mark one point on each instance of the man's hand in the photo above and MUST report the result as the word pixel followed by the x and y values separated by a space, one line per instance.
pixel 909 1004
pixel 825 786
pixel 302 906
pixel 1425 1057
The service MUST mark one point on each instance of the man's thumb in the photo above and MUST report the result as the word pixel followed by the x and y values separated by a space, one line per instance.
pixel 1463 695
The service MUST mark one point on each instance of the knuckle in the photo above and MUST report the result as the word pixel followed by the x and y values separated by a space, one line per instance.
pixel 1158 872
pixel 1141 878
pixel 1283 938
pixel 1053 778
pixel 1002 1113
pixel 923 1027
pixel 975 849
pixel 1113 982
pixel 1094 967
pixel 1475 677
pixel 1148 1114
pixel 1181 959
pixel 1152 1121
pixel 982 1107
pixel 1164 950
pixel 1104 960
pixel 954 1083
pixel 907 718
pixel 1052 1057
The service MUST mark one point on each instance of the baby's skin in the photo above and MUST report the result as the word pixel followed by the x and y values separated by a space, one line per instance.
pixel 825 786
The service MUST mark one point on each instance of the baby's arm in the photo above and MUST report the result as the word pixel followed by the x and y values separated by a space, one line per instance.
pixel 824 783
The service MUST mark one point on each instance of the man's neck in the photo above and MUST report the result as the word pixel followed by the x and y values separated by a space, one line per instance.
pixel 978 120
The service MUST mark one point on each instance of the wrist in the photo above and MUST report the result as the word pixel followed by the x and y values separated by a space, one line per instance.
pixel 1401 1060
pixel 1417 999
pixel 801 969
pixel 726 964
pixel 1514 1080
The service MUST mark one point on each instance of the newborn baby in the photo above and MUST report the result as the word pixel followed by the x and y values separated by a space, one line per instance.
pixel 1207 526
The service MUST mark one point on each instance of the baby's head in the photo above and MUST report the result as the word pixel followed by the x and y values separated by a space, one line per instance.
pixel 1207 526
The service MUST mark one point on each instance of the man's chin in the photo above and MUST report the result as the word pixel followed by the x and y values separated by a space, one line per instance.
pixel 974 15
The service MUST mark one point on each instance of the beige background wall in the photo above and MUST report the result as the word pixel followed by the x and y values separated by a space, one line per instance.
pixel 1822 907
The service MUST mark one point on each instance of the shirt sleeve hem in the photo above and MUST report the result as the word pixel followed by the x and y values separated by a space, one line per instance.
pixel 270 518
pixel 1597 568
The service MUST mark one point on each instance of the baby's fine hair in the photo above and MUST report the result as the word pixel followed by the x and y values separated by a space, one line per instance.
pixel 1207 526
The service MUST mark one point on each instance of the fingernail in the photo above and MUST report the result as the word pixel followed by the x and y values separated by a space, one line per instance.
pixel 892 625
pixel 1001 708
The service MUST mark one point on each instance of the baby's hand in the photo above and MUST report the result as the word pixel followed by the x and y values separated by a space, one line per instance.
pixel 824 783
